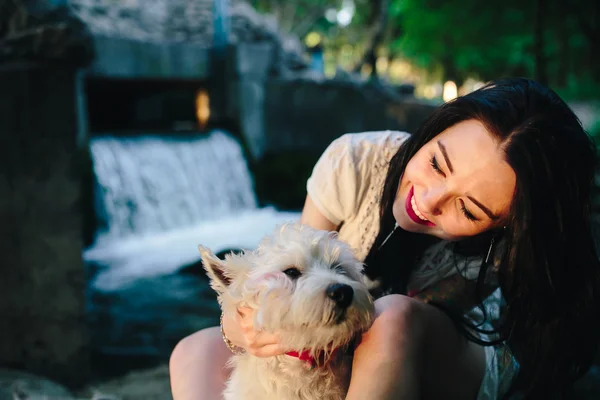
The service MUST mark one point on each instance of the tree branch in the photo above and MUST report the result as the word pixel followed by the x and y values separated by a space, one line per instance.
pixel 306 24
pixel 588 30
pixel 380 13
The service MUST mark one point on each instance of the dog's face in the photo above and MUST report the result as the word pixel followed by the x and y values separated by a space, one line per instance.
pixel 305 284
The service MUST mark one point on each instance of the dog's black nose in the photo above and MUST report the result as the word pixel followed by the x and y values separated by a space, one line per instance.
pixel 341 294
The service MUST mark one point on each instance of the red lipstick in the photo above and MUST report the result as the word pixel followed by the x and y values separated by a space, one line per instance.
pixel 411 213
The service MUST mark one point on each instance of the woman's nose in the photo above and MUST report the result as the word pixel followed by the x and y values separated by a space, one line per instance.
pixel 433 199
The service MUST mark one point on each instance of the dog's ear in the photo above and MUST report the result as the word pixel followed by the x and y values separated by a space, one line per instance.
pixel 216 269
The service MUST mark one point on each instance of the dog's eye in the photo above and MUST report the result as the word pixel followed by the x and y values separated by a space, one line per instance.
pixel 292 272
pixel 339 269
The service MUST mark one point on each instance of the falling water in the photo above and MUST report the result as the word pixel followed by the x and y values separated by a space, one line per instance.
pixel 151 184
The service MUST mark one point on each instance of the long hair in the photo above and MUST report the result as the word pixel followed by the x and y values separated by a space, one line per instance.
pixel 548 269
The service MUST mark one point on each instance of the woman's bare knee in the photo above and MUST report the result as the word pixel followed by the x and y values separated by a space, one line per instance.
pixel 194 347
pixel 398 318
pixel 390 351
pixel 198 365
pixel 396 333
pixel 423 345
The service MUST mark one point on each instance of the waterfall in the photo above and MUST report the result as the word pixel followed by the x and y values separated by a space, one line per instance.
pixel 159 197
pixel 152 184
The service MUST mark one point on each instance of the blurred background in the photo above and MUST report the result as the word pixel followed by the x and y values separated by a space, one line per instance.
pixel 133 130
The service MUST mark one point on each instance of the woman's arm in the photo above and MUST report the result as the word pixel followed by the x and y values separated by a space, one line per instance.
pixel 312 217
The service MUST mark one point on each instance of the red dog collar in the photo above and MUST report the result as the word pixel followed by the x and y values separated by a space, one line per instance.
pixel 311 362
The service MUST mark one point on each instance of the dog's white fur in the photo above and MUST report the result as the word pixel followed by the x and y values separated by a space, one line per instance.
pixel 298 308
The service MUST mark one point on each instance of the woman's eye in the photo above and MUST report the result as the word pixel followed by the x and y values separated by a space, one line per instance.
pixel 292 272
pixel 467 213
pixel 436 166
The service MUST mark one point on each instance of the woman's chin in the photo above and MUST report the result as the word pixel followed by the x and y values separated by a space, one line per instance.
pixel 409 225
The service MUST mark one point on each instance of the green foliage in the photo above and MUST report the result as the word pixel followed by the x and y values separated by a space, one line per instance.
pixel 487 40
pixel 479 39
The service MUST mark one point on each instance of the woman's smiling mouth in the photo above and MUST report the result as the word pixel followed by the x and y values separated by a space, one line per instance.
pixel 413 211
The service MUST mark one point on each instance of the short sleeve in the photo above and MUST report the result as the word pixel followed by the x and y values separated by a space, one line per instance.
pixel 334 184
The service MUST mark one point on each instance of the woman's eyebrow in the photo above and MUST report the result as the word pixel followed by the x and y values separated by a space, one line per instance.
pixel 445 154
pixel 486 210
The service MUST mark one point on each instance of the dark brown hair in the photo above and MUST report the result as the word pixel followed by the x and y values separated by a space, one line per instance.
pixel 549 272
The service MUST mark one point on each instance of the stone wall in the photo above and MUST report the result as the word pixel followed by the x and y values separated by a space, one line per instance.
pixel 42 285
pixel 305 110
pixel 148 20
pixel 309 114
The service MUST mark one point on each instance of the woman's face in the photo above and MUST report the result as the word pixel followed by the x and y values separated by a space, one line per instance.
pixel 457 185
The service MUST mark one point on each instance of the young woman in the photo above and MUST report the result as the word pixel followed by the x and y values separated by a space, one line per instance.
pixel 475 232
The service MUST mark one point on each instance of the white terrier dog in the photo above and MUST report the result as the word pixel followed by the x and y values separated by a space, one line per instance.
pixel 308 286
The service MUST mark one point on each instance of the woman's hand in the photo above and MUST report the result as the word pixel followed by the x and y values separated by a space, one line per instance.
pixel 239 329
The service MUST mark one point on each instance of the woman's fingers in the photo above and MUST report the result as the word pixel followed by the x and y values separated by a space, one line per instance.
pixel 245 313
pixel 233 330
pixel 255 342
pixel 245 310
pixel 258 339
pixel 269 350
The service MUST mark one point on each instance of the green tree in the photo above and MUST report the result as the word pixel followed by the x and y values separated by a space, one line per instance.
pixel 553 41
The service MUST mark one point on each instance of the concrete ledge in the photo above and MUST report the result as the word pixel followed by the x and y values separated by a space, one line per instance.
pixel 124 58
pixel 305 114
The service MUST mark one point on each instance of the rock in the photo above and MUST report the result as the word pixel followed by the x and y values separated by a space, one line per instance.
pixel 150 384
pixel 22 385
pixel 39 31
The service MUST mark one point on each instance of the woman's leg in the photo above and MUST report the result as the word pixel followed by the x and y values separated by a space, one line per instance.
pixel 414 351
pixel 197 366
